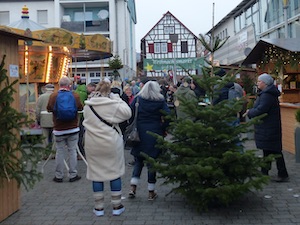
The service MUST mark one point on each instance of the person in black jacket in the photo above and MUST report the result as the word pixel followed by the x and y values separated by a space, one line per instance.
pixel 151 108
pixel 268 134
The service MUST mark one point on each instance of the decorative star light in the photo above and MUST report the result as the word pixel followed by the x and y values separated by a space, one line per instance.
pixel 149 67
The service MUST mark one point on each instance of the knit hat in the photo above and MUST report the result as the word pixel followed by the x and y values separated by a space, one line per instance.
pixel 187 79
pixel 266 78
pixel 49 87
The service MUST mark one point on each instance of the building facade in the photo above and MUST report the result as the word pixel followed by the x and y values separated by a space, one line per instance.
pixel 170 49
pixel 251 21
pixel 114 19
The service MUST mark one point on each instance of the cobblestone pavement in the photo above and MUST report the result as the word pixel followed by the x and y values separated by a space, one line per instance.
pixel 67 203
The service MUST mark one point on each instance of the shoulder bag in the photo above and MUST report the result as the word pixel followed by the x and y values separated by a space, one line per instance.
pixel 131 135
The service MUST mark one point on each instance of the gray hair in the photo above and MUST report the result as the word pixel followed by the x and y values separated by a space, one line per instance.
pixel 151 90
pixel 65 81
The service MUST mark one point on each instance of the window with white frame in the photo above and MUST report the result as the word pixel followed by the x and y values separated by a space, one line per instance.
pixel 156 47
pixel 161 47
pixel 4 17
pixel 164 47
pixel 42 16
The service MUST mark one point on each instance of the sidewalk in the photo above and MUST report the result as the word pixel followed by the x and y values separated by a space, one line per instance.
pixel 67 203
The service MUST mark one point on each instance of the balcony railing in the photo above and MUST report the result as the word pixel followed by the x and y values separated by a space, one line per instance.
pixel 86 26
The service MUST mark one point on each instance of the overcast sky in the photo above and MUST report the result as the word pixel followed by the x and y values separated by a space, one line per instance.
pixel 196 15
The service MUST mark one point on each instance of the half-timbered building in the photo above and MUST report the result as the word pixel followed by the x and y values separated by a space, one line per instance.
pixel 170 48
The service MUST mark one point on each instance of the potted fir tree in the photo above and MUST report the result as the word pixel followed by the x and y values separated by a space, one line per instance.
pixel 115 64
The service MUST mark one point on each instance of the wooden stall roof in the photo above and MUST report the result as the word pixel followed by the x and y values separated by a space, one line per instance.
pixel 17 36
pixel 288 44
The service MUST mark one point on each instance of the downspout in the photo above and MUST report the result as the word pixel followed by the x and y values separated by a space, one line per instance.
pixel 117 32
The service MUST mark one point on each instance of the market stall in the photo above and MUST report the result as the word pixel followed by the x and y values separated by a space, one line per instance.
pixel 10 194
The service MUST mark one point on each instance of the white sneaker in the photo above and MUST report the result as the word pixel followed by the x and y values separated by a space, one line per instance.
pixel 118 212
pixel 98 212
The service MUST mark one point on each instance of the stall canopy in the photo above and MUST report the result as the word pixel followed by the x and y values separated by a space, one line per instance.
pixel 258 52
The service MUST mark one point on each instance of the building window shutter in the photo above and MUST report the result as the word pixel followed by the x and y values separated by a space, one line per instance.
pixel 4 17
pixel 170 47
pixel 151 48
pixel 184 47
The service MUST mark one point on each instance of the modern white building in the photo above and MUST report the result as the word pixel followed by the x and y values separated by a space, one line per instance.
pixel 252 20
pixel 114 19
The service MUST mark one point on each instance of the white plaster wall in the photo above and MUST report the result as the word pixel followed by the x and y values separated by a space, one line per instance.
pixel 15 11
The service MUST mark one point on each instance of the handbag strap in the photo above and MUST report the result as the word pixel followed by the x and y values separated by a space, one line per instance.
pixel 136 109
pixel 103 120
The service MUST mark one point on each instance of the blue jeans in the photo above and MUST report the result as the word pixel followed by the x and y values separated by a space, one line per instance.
pixel 66 142
pixel 115 185
pixel 138 167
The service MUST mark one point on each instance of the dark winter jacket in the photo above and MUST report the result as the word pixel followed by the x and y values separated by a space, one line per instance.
pixel 149 118
pixel 223 93
pixel 268 133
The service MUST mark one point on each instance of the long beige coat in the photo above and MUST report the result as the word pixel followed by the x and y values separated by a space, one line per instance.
pixel 104 147
pixel 45 120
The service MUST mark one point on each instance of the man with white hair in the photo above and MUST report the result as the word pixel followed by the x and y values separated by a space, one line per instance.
pixel 65 130
pixel 134 88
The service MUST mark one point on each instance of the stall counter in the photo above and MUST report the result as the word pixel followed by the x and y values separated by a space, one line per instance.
pixel 288 122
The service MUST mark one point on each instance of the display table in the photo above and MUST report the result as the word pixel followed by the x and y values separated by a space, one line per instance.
pixel 33 131
pixel 288 122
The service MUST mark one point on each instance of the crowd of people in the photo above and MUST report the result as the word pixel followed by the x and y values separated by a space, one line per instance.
pixel 109 107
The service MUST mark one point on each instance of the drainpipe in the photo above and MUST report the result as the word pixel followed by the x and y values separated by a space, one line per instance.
pixel 285 7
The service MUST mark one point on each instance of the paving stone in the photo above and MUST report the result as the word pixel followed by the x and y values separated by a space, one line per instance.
pixel 50 203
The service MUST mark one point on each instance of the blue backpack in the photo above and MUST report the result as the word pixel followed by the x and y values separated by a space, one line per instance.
pixel 65 107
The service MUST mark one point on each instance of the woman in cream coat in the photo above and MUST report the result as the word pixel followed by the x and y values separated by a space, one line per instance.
pixel 104 144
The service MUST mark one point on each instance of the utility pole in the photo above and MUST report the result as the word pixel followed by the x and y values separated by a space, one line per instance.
pixel 174 40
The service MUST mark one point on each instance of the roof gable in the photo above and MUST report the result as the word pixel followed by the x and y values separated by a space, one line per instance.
pixel 162 21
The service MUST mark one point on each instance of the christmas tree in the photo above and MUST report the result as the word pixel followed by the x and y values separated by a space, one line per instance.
pixel 18 158
pixel 204 158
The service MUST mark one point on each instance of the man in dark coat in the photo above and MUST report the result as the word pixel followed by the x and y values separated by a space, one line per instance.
pixel 268 136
